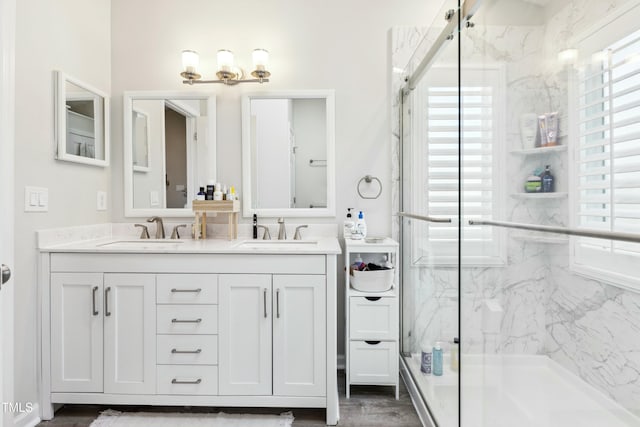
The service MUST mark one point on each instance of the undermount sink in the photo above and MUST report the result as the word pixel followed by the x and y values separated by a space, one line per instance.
pixel 142 244
pixel 275 244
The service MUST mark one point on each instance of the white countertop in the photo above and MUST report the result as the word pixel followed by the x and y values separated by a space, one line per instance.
pixel 127 244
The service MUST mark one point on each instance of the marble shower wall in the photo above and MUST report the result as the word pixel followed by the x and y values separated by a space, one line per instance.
pixel 589 327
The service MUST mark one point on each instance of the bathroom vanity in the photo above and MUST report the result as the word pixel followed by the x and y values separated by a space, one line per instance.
pixel 198 323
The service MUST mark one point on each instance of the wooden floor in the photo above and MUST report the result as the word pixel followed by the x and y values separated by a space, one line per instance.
pixel 367 407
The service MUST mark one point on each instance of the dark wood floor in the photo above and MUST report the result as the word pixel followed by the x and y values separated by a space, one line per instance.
pixel 367 407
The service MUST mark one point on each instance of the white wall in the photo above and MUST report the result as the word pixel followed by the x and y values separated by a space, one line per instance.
pixel 341 45
pixel 72 36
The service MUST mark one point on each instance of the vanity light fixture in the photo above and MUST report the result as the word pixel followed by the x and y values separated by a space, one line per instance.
pixel 228 73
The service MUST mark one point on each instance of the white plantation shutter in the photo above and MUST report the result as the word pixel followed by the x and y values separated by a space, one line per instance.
pixel 608 159
pixel 439 161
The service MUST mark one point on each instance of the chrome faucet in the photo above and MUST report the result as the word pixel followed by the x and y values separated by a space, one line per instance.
pixel 159 226
pixel 266 235
pixel 298 234
pixel 282 231
pixel 144 234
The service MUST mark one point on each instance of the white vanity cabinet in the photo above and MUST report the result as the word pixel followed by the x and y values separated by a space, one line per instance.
pixel 98 339
pixel 272 335
pixel 198 329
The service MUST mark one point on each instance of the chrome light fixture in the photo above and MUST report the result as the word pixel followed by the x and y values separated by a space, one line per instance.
pixel 228 73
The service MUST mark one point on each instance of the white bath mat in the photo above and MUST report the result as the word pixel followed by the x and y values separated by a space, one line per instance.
pixel 111 418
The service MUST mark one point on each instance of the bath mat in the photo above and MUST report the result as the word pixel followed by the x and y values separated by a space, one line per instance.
pixel 111 418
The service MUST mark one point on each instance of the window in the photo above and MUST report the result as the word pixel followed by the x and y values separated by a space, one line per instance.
pixel 436 160
pixel 607 161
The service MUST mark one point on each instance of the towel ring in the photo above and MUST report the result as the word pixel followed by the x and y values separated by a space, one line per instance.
pixel 368 179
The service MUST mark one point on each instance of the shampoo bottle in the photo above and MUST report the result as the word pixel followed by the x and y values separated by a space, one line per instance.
pixel 548 181
pixel 361 227
pixel 217 193
pixel 201 194
pixel 437 359
pixel 425 359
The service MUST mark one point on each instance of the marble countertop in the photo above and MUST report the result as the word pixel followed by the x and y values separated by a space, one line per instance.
pixel 127 244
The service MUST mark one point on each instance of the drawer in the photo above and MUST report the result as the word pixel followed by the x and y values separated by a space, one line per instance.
pixel 187 379
pixel 373 318
pixel 187 349
pixel 187 289
pixel 373 362
pixel 187 319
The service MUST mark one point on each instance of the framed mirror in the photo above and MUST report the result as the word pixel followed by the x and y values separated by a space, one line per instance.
pixel 288 146
pixel 82 122
pixel 169 151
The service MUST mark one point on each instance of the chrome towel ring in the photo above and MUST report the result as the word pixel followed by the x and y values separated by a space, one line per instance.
pixel 368 179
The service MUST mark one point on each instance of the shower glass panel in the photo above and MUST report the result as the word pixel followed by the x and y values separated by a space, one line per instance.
pixel 549 324
pixel 549 84
pixel 430 187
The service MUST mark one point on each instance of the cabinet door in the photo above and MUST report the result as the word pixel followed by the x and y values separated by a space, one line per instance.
pixel 299 335
pixel 129 333
pixel 245 334
pixel 76 332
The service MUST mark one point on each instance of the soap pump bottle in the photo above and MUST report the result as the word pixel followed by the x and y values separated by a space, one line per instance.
pixel 547 180
pixel 361 227
pixel 349 225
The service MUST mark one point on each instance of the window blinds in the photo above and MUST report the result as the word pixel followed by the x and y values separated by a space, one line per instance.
pixel 608 157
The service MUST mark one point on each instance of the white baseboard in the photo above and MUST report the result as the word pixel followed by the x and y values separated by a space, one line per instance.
pixel 340 361
pixel 28 419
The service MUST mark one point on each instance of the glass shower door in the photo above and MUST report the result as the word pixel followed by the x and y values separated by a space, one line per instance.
pixel 429 226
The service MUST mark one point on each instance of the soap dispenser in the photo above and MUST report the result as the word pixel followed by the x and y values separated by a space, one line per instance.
pixel 361 227
pixel 349 225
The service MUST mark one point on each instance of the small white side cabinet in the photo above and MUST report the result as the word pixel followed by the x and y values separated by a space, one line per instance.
pixel 372 320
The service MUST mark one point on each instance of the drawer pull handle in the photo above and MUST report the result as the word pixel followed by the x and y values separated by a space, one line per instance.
pixel 278 303
pixel 372 342
pixel 373 298
pixel 176 351
pixel 177 381
pixel 186 320
pixel 93 300
pixel 174 290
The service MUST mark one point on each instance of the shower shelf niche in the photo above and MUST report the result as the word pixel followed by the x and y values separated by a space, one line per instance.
pixel 554 195
pixel 540 150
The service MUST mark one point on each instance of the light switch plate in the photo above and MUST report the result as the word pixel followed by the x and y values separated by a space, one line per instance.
pixel 154 198
pixel 102 201
pixel 36 199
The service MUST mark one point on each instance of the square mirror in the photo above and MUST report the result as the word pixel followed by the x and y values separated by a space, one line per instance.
pixel 169 151
pixel 82 122
pixel 288 166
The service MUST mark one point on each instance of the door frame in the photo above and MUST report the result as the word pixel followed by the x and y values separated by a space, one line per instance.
pixel 7 156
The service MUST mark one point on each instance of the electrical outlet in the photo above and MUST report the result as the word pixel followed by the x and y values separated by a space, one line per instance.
pixel 102 201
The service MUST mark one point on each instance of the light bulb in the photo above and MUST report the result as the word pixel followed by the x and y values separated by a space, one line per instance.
pixel 190 61
pixel 260 59
pixel 225 60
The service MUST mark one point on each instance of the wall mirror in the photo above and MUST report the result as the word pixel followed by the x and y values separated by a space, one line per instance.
pixel 288 145
pixel 169 151
pixel 82 122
